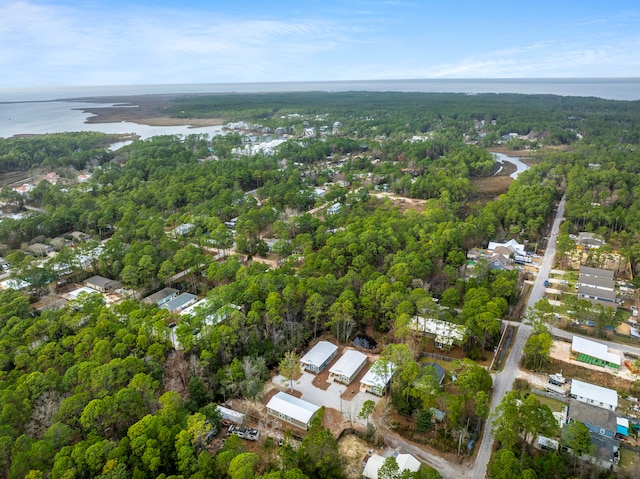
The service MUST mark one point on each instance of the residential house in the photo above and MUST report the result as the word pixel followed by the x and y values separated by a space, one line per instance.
pixel 598 420
pixel 182 230
pixel 591 352
pixel 595 395
pixel 319 357
pixel 291 409
pixel 499 262
pixel 160 297
pixel 24 189
pixel 348 366
pixel 376 379
pixel 40 249
pixel 80 237
pixel 101 283
pixel 404 461
pixel 590 240
pixel 180 302
pixel 598 286
pixel 52 177
pixel 443 332
pixel 606 449
pixel 334 209
pixel 438 372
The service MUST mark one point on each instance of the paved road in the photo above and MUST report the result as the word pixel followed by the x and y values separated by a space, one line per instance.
pixel 503 381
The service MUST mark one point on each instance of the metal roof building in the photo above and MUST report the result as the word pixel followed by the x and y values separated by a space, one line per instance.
pixel 377 378
pixel 592 349
pixel 292 409
pixel 595 395
pixel 318 357
pixel 404 461
pixel 348 366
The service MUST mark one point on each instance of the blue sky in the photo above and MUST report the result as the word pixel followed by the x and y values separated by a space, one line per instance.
pixel 46 43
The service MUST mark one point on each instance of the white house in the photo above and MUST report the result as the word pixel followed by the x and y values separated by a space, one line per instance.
pixel 292 409
pixel 319 357
pixel 348 366
pixel 444 332
pixel 594 395
pixel 377 378
pixel 404 461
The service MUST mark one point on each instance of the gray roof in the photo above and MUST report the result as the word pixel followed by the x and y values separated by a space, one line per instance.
pixel 179 302
pixel 100 281
pixel 440 372
pixel 159 295
pixel 377 376
pixel 597 292
pixel 348 363
pixel 596 416
pixel 599 281
pixel 604 273
pixel 317 355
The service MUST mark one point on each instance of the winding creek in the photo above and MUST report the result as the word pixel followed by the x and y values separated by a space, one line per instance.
pixel 520 166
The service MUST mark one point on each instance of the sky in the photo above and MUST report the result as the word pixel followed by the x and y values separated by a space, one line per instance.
pixel 51 43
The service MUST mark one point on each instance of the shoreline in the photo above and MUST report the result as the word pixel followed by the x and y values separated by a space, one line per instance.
pixel 141 109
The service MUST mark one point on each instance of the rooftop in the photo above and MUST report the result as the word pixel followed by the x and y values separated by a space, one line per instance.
pixel 604 273
pixel 591 391
pixel 294 407
pixel 348 363
pixel 317 355
pixel 377 375
pixel 595 350
pixel 159 295
pixel 596 416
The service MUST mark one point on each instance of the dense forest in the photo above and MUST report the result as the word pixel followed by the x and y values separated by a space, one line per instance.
pixel 85 388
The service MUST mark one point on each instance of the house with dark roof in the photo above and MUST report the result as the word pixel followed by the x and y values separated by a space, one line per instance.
pixel 598 420
pixel 160 297
pixel 100 283
pixel 438 372
pixel 598 286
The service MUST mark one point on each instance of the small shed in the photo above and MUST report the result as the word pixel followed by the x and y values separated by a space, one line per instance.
pixel 230 415
pixel 319 357
pixel 377 378
pixel 348 366
pixel 622 426
pixel 291 409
